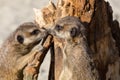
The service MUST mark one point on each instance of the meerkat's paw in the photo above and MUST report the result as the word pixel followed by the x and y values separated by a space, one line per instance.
pixel 29 57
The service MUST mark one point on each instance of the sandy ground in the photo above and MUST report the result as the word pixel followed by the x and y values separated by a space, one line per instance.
pixel 15 12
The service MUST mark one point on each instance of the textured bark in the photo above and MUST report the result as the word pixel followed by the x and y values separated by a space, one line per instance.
pixel 103 33
pixel 31 71
pixel 103 43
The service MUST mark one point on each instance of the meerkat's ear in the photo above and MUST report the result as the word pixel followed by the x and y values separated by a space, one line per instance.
pixel 20 39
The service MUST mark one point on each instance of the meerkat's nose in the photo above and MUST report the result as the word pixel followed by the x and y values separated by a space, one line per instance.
pixel 52 32
pixel 49 31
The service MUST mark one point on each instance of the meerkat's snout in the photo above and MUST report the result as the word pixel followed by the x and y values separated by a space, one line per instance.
pixel 51 31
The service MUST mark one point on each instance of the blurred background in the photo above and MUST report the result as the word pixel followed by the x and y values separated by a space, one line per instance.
pixel 15 12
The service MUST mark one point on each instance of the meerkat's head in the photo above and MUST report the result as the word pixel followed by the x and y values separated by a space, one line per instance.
pixel 68 28
pixel 29 34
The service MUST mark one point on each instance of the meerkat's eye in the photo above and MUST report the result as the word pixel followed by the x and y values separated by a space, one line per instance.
pixel 58 27
pixel 20 39
pixel 35 32
pixel 73 32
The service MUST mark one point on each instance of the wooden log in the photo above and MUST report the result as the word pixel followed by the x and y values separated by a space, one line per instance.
pixel 31 71
pixel 51 69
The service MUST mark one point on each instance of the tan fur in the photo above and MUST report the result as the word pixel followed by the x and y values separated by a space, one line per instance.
pixel 14 56
pixel 77 57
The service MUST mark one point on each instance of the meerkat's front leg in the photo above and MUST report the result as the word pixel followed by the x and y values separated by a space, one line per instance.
pixel 29 57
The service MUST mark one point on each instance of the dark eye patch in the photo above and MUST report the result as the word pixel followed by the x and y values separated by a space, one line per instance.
pixel 35 32
pixel 20 39
pixel 73 32
pixel 58 27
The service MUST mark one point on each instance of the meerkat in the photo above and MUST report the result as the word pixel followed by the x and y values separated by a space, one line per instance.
pixel 77 59
pixel 17 49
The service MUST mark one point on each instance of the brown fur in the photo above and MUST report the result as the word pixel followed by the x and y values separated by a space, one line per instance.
pixel 14 55
pixel 77 58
